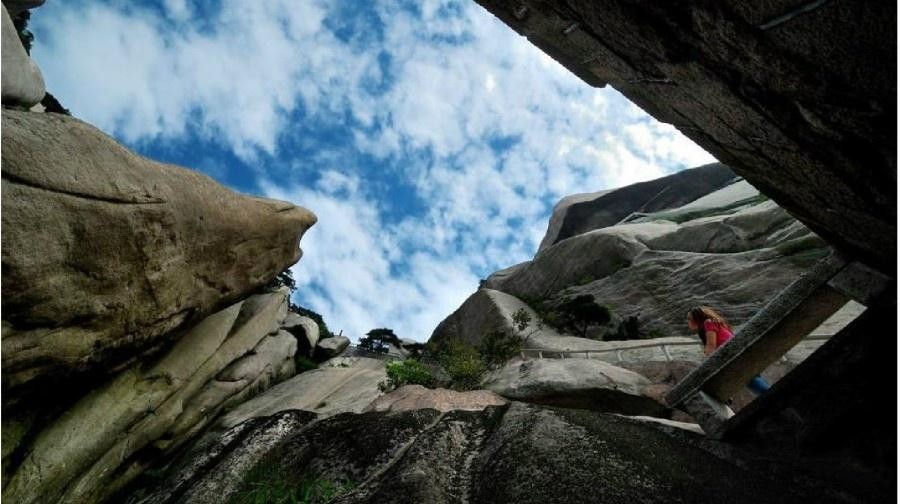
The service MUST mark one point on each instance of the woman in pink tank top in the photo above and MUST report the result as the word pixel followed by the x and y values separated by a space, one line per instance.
pixel 714 331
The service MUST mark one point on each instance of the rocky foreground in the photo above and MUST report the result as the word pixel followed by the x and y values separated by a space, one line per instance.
pixel 515 453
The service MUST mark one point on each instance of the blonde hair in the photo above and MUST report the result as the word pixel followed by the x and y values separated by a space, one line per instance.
pixel 700 314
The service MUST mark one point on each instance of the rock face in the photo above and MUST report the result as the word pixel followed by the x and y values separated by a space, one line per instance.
pixel 106 255
pixel 639 269
pixel 305 330
pixel 575 383
pixel 653 266
pixel 22 83
pixel 111 435
pixel 331 347
pixel 730 248
pixel 413 397
pixel 337 386
pixel 578 214
pixel 207 474
pixel 798 98
pixel 497 455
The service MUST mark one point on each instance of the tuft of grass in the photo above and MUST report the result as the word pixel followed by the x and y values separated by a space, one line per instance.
pixel 270 483
pixel 304 363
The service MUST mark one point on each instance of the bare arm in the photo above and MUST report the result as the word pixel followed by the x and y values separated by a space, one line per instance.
pixel 710 346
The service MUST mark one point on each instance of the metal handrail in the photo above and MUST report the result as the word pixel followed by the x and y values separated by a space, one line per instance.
pixel 665 345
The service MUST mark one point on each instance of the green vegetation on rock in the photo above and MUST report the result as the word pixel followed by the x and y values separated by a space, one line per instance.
pixel 379 340
pixel 304 363
pixel 498 347
pixel 286 279
pixel 680 216
pixel 406 372
pixel 463 364
pixel 270 483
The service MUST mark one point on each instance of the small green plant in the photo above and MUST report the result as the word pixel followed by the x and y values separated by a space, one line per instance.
pixel 628 329
pixel 521 319
pixel 324 332
pixel 463 364
pixel 304 363
pixel 498 347
pixel 20 23
pixel 270 483
pixel 586 279
pixel 286 279
pixel 581 312
pixel 406 372
pixel 656 333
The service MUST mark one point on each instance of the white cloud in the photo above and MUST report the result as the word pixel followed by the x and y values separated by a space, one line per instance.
pixel 456 80
pixel 349 255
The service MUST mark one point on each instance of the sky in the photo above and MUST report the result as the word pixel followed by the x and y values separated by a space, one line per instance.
pixel 429 138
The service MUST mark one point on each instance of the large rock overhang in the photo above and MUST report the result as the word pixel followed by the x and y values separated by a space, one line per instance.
pixel 797 96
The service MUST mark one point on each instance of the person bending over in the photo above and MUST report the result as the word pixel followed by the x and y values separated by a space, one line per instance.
pixel 714 331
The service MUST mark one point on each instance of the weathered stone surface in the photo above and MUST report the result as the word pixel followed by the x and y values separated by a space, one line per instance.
pixel 22 82
pixel 111 435
pixel 561 212
pixel 517 453
pixel 107 254
pixel 798 99
pixel 331 347
pixel 206 474
pixel 305 330
pixel 698 253
pixel 575 383
pixel 413 397
pixel 578 214
pixel 340 385
pixel 489 310
pixel 785 320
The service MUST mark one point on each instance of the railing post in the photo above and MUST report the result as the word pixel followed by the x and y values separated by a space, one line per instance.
pixel 540 354
pixel 668 355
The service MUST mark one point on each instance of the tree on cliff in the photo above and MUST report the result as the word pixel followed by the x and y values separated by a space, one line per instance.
pixel 581 312
pixel 379 340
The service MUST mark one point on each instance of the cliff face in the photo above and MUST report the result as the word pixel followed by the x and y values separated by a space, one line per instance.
pixel 135 307
pixel 580 213
pixel 730 247
pixel 797 97
pixel 106 254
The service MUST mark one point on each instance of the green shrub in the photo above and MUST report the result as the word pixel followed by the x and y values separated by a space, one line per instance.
pixel 586 279
pixel 270 483
pixel 324 332
pixel 521 319
pixel 304 363
pixel 498 347
pixel 628 329
pixel 406 372
pixel 580 312
pixel 463 364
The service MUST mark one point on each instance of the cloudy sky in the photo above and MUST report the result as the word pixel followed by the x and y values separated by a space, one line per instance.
pixel 429 138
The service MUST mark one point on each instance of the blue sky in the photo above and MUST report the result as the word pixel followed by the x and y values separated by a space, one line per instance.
pixel 429 138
